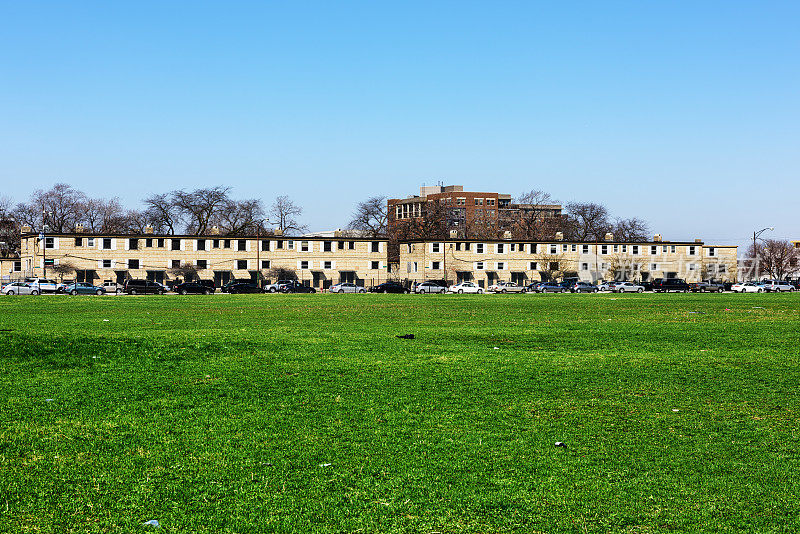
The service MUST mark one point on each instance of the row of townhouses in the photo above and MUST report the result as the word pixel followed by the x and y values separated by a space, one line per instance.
pixel 321 261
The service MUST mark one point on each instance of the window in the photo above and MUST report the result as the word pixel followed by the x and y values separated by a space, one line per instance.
pixel 148 243
pixel 279 244
pixel 604 249
pixel 241 245
pixel 106 264
pixel 304 264
pixel 635 249
pixel 711 251
pixel 479 202
pixel 376 246
pixel 265 264
pixel 89 241
pixel 501 266
pixel 721 268
pixel 553 265
pixel 78 241
pixel 133 244
pixel 49 262
pixel 653 249
pixel 327 265
pixel 176 244
pixel 18 265
pixel 490 202
pixel 106 243
pixel 691 267
pixel 664 249
pixel 692 250
pixel 461 201
pixel 574 248
pixel 534 266
pixel 653 266
pixel 304 246
pixel 584 266
pixel 479 248
pixel 265 246
pixel 624 248
pixel 176 264
pixel 616 248
pixel 341 246
pixel 351 245
pixel 553 249
pixel 226 243
pixel 201 244
pixel 412 267
pixel 458 246
pixel 160 242
pixel 564 248
pixel 672 249
pixel 133 264
pixel 585 249
pixel 290 245
pixel 466 247
pixel 202 264
pixel 479 266
pixel 241 265
pixel 435 247
pixel 534 247
pixel 501 248
pixel 434 265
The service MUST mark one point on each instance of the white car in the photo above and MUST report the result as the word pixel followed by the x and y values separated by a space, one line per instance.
pixel 747 287
pixel 347 287
pixel 43 285
pixel 20 288
pixel 465 287
pixel 507 287
pixel 776 285
pixel 628 287
pixel 606 286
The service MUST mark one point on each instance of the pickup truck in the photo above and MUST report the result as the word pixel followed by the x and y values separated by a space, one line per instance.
pixel 707 285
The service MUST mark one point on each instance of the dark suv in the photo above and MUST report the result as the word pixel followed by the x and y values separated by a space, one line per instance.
pixel 143 287
pixel 665 285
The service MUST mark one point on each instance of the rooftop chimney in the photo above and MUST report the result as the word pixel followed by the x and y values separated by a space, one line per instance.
pixel 214 230
pixel 657 238
pixel 609 237
pixel 148 229
pixel 559 236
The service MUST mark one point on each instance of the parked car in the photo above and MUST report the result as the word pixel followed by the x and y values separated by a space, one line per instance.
pixel 648 286
pixel 429 286
pixel 20 288
pixel 606 286
pixel 671 284
pixel 43 285
pixel 143 287
pixel 113 287
pixel 583 287
pixel 192 287
pixel 389 287
pixel 747 287
pixel 533 287
pixel 297 287
pixel 347 287
pixel 507 287
pixel 82 288
pixel 550 287
pixel 628 287
pixel 707 285
pixel 776 286
pixel 277 286
pixel 465 287
pixel 243 287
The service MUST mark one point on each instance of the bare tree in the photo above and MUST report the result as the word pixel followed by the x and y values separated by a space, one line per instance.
pixel 630 230
pixel 200 206
pixel 62 269
pixel 103 216
pixel 284 213
pixel 550 265
pixel 281 273
pixel 9 229
pixel 187 271
pixel 61 206
pixel 777 258
pixel 586 221
pixel 137 222
pixel 239 217
pixel 531 217
pixel 162 213
pixel 371 217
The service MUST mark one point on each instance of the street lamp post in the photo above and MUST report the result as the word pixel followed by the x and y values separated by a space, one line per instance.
pixel 755 237
pixel 258 249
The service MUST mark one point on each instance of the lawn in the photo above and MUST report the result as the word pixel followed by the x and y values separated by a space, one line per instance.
pixel 304 413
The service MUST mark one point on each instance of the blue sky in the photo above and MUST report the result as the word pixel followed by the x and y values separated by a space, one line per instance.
pixel 681 113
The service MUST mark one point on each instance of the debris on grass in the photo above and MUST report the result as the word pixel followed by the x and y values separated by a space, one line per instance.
pixel 561 444
pixel 105 320
pixel 497 348
pixel 49 400
pixel 675 410
pixel 406 336
pixel 325 465
pixel 152 523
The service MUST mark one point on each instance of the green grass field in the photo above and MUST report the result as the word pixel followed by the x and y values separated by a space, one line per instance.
pixel 304 413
